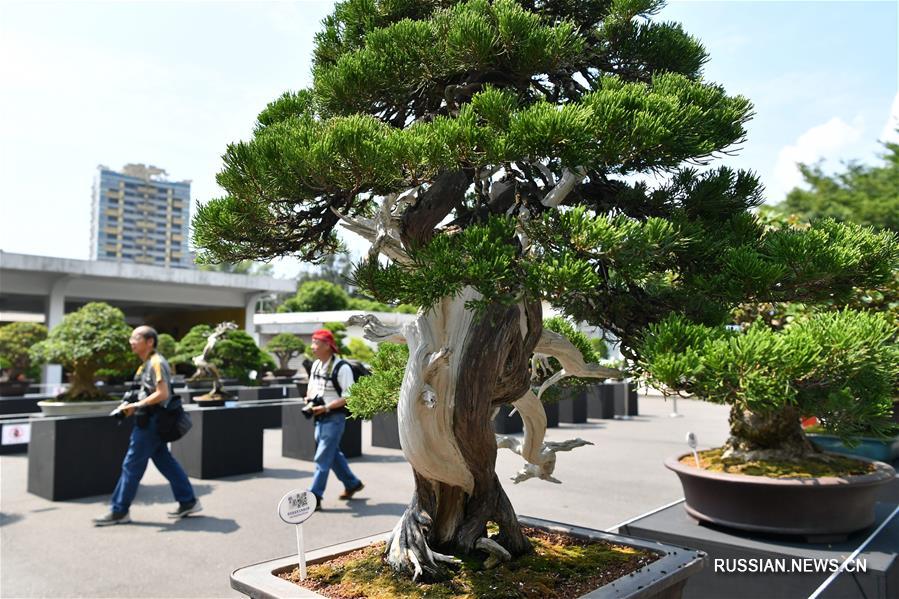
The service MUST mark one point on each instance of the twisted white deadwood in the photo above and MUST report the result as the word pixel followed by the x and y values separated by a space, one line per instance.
pixel 375 330
pixel 497 552
pixel 383 231
pixel 563 187
pixel 539 455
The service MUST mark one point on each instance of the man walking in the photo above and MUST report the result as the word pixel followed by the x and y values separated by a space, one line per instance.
pixel 155 393
pixel 330 416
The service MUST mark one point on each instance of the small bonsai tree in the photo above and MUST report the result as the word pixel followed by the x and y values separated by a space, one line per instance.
pixel 285 346
pixel 90 339
pixel 234 355
pixel 16 340
pixel 842 367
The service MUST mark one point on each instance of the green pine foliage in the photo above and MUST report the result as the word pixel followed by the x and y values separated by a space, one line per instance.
pixel 841 366
pixel 92 338
pixel 380 391
pixel 16 340
pixel 510 96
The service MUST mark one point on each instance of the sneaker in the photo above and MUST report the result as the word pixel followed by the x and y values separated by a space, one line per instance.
pixel 185 509
pixel 111 518
pixel 348 494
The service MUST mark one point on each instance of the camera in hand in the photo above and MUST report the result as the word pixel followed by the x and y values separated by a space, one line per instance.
pixel 132 395
pixel 311 403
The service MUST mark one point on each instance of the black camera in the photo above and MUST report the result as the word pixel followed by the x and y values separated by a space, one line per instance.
pixel 311 403
pixel 132 395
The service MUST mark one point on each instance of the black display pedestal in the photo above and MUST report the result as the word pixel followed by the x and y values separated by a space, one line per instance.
pixel 573 408
pixel 601 401
pixel 504 424
pixel 385 430
pixel 552 414
pixel 224 441
pixel 625 399
pixel 76 456
pixel 298 435
pixel 732 550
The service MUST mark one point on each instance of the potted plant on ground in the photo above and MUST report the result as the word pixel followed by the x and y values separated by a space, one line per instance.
pixel 486 150
pixel 87 340
pixel 16 340
pixel 285 346
pixel 841 366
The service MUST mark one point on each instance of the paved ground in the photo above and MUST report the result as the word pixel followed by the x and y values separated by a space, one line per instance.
pixel 50 549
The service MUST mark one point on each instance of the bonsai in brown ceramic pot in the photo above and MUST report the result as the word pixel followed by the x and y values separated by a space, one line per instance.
pixel 842 366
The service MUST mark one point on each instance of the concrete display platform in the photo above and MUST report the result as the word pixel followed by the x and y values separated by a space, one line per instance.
pixel 51 549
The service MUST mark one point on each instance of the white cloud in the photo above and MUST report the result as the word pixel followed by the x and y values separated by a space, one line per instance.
pixel 820 142
pixel 889 132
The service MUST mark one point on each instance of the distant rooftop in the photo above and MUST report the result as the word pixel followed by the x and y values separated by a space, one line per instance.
pixel 143 171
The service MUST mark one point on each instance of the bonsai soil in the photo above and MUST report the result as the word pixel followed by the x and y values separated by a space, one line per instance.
pixel 560 567
pixel 809 467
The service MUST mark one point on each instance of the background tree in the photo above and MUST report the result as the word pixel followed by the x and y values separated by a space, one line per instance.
pixel 16 340
pixel 241 267
pixel 285 346
pixel 167 345
pixel 317 296
pixel 87 340
pixel 867 195
pixel 487 150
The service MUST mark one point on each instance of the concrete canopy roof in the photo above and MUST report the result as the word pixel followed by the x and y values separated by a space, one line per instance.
pixel 26 281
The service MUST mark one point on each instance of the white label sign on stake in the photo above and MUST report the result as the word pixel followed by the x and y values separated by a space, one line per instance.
pixel 295 508
pixel 16 434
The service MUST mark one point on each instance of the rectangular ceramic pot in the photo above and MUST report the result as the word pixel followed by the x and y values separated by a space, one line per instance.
pixel 298 434
pixel 385 430
pixel 663 579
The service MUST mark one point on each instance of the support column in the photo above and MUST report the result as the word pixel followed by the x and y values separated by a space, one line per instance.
pixel 51 374
pixel 249 324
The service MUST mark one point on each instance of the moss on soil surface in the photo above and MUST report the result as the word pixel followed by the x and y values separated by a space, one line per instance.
pixel 560 567
pixel 826 465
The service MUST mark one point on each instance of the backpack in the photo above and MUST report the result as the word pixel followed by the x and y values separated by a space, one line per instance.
pixel 358 368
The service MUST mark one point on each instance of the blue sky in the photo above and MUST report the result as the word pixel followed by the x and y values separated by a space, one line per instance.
pixel 172 83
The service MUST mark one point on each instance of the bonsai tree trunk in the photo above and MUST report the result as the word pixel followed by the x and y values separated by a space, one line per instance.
pixel 772 435
pixel 461 367
pixel 82 383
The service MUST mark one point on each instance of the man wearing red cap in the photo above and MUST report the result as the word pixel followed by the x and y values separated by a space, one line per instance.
pixel 330 418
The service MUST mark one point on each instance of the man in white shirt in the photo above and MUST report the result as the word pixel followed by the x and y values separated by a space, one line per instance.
pixel 330 417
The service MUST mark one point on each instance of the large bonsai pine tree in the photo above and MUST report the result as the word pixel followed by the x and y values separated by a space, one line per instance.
pixel 485 149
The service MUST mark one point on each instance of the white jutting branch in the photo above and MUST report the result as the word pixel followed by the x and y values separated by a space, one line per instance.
pixel 374 330
pixel 571 359
pixel 383 231
pixel 563 187
pixel 540 455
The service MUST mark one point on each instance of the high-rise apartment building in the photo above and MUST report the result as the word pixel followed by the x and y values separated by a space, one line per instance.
pixel 139 216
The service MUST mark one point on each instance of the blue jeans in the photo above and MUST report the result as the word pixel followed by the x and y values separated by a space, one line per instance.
pixel 146 445
pixel 328 433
